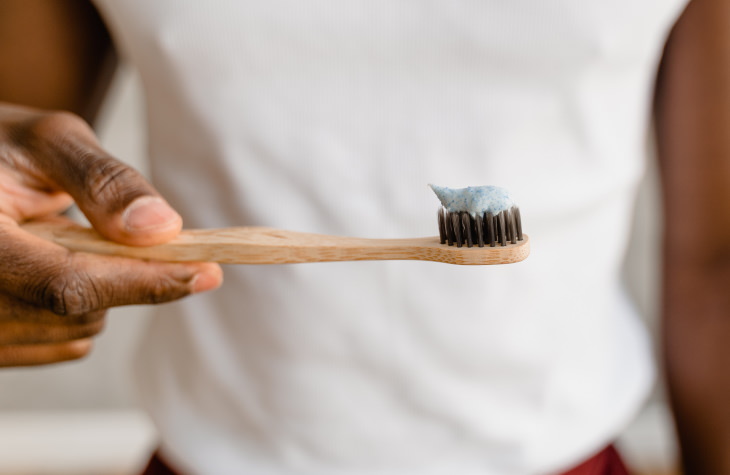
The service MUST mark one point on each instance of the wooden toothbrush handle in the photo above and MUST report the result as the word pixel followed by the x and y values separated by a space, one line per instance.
pixel 259 245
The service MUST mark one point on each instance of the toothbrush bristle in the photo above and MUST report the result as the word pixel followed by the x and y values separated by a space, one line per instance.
pixel 460 228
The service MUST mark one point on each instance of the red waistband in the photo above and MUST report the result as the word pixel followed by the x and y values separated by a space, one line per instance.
pixel 606 462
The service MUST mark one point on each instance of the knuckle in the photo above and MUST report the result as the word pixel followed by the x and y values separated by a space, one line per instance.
pixel 111 182
pixel 166 289
pixel 86 331
pixel 89 318
pixel 55 124
pixel 85 326
pixel 69 293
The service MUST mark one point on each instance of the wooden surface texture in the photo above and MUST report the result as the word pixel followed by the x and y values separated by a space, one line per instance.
pixel 259 245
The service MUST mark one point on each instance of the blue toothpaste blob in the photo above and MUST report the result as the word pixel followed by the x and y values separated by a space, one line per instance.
pixel 475 200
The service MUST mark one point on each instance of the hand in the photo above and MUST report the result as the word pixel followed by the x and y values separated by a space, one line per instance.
pixel 53 301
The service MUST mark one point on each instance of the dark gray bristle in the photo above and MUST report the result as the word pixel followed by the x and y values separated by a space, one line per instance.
pixel 442 225
pixel 479 224
pixel 501 235
pixel 466 224
pixel 491 225
pixel 462 229
pixel 456 225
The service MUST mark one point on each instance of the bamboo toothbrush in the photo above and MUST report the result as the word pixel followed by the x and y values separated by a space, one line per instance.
pixel 259 245
pixel 477 226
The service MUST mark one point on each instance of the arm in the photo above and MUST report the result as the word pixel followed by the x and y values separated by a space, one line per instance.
pixel 693 127
pixel 55 55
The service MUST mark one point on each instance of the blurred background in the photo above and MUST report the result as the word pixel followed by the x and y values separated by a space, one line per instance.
pixel 81 418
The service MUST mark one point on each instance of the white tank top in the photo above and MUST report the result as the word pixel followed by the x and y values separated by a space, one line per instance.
pixel 331 116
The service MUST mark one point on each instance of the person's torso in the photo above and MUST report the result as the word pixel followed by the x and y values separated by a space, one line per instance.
pixel 331 117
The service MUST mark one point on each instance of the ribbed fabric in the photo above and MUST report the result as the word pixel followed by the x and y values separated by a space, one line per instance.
pixel 331 116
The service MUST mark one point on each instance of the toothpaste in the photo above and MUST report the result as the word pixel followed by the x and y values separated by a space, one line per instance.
pixel 475 200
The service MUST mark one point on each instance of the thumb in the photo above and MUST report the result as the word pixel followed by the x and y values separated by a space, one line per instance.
pixel 117 200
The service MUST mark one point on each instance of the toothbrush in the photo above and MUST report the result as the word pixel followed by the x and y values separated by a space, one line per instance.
pixel 261 245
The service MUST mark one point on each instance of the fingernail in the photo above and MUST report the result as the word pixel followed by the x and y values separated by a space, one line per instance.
pixel 205 281
pixel 147 213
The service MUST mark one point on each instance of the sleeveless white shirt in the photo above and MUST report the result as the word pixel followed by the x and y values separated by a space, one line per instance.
pixel 331 116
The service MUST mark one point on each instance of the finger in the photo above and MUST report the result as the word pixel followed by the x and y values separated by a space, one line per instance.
pixel 13 309
pixel 23 202
pixel 23 333
pixel 31 355
pixel 68 283
pixel 116 199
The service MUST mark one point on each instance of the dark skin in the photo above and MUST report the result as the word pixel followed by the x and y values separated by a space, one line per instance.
pixel 65 66
pixel 693 127
pixel 52 301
